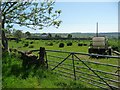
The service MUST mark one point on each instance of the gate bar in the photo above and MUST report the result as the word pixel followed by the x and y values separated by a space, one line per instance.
pixel 61 62
pixel 73 65
pixel 94 72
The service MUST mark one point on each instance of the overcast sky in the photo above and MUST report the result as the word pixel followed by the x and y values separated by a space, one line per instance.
pixel 83 16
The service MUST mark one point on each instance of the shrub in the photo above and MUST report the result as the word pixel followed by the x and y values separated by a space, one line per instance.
pixel 57 42
pixel 19 47
pixel 69 44
pixel 49 44
pixel 115 48
pixel 23 41
pixel 45 43
pixel 31 46
pixel 31 42
pixel 61 45
pixel 80 44
pixel 85 44
pixel 26 44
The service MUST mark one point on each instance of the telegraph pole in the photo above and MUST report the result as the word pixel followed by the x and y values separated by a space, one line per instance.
pixel 97 29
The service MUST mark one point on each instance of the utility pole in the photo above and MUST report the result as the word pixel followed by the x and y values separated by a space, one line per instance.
pixel 97 29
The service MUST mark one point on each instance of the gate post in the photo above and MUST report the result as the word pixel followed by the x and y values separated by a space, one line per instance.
pixel 46 59
pixel 73 65
pixel 41 56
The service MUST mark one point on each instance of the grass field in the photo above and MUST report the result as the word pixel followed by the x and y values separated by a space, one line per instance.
pixel 57 80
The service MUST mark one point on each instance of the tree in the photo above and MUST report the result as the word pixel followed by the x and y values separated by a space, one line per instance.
pixel 49 35
pixel 27 34
pixel 57 36
pixel 69 36
pixel 30 14
pixel 44 34
pixel 18 34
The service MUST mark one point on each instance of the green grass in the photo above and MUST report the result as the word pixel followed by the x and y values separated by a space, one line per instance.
pixel 14 76
pixel 75 48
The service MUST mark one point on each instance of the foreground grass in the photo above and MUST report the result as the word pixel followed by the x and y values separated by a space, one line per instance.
pixel 75 48
pixel 14 76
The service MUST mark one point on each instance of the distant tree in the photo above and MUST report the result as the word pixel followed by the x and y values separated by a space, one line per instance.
pixel 44 34
pixel 18 34
pixel 49 35
pixel 57 36
pixel 69 36
pixel 27 34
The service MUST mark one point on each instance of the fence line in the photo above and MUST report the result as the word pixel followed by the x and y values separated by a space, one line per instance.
pixel 107 82
pixel 104 80
pixel 105 64
pixel 84 72
pixel 81 53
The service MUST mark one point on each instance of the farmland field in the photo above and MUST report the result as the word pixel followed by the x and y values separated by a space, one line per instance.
pixel 60 45
pixel 54 45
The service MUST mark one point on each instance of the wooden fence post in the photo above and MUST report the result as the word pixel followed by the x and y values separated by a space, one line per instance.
pixel 41 56
pixel 46 60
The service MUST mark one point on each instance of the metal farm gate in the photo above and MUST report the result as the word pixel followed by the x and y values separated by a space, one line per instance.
pixel 71 65
pixel 97 71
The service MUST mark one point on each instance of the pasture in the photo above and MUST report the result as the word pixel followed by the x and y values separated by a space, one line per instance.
pixel 54 58
pixel 45 43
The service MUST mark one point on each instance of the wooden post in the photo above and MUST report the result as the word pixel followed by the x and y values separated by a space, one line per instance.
pixel 41 56
pixel 46 60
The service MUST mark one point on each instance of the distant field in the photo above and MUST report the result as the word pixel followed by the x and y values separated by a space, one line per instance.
pixel 45 43
pixel 36 44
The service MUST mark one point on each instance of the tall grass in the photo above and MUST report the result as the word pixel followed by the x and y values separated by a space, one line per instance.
pixel 14 76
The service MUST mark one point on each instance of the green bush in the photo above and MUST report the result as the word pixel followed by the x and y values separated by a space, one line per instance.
pixel 31 46
pixel 115 48
pixel 23 41
pixel 80 44
pixel 26 44
pixel 31 42
pixel 49 44
pixel 19 47
pixel 61 45
pixel 69 44
pixel 84 44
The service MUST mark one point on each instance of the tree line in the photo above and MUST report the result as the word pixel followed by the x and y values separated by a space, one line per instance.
pixel 19 34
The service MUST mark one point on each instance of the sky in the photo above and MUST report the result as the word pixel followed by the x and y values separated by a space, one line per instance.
pixel 82 17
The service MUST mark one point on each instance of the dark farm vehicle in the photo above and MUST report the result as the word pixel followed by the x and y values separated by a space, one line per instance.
pixel 99 45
